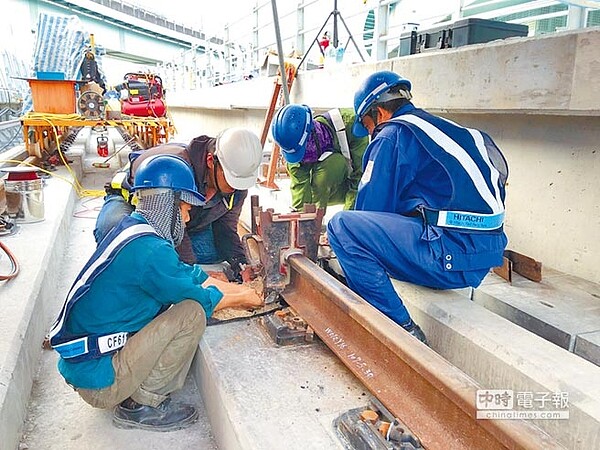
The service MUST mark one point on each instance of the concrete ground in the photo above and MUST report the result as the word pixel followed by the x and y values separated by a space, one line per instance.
pixel 58 419
pixel 262 396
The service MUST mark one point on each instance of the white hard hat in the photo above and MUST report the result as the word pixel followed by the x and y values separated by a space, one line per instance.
pixel 239 153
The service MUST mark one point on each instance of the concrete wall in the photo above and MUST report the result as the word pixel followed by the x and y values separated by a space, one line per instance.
pixel 539 98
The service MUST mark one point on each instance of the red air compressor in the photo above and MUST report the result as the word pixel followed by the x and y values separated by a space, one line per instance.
pixel 145 95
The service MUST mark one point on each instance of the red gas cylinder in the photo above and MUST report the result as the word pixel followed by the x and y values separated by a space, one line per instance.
pixel 102 146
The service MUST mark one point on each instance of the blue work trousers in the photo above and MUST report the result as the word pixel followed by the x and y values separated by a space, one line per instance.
pixel 203 244
pixel 371 247
pixel 113 210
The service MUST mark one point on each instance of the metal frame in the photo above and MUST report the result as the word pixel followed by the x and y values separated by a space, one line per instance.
pixel 150 131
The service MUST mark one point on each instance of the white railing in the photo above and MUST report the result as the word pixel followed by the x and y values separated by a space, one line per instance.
pixel 243 48
pixel 250 39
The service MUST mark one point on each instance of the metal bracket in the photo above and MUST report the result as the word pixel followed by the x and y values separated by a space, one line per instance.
pixel 8 227
pixel 286 327
pixel 523 265
pixel 279 236
pixel 374 428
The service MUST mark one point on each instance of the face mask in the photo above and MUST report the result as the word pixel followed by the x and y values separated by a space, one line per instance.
pixel 161 210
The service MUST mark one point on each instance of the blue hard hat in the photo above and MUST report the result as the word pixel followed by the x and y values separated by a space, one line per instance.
pixel 291 130
pixel 168 172
pixel 369 93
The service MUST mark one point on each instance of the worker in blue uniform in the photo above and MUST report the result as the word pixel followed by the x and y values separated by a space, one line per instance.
pixel 132 320
pixel 430 204
pixel 324 158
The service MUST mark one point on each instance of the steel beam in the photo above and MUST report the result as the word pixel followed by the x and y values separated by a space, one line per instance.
pixel 431 396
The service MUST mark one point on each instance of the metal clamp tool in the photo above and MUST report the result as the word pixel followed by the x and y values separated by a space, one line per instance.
pixel 275 238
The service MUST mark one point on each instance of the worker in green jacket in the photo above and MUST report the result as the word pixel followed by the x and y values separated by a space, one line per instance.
pixel 324 158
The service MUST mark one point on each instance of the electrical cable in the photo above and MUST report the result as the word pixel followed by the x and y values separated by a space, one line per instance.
pixel 49 118
pixel 13 262
pixel 79 189
pixel 86 212
pixel 276 307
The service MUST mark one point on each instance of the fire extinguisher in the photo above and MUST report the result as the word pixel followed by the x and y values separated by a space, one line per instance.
pixel 102 146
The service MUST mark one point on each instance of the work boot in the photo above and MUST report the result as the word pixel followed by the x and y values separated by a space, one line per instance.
pixel 165 417
pixel 415 330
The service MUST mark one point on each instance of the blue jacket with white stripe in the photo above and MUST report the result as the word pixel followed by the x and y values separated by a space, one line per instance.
pixel 431 162
pixel 418 160
pixel 122 291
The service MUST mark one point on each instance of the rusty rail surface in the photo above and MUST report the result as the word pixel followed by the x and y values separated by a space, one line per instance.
pixel 431 396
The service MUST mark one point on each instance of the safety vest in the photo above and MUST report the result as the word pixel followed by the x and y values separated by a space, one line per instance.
pixel 464 153
pixel 120 181
pixel 334 118
pixel 120 184
pixel 84 347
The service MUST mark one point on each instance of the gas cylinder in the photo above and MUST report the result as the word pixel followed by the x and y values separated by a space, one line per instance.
pixel 102 146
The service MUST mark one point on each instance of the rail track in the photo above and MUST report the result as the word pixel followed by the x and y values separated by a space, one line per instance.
pixel 432 397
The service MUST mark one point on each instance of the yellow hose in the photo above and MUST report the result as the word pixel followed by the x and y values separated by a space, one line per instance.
pixel 79 189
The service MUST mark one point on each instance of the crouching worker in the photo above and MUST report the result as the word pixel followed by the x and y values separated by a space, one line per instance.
pixel 134 316
pixel 224 168
pixel 324 158
pixel 430 204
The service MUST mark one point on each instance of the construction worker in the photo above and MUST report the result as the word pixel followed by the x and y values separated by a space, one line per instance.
pixel 430 204
pixel 133 318
pixel 323 158
pixel 225 167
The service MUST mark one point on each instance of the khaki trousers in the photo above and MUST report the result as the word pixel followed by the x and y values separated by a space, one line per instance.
pixel 155 361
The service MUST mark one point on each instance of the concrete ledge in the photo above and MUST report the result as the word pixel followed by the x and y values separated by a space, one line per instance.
pixel 16 153
pixel 548 74
pixel 502 355
pixel 260 396
pixel 25 315
pixel 560 308
pixel 587 345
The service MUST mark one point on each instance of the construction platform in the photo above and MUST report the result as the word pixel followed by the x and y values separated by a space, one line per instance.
pixel 253 394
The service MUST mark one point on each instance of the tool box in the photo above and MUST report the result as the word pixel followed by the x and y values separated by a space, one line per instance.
pixel 457 34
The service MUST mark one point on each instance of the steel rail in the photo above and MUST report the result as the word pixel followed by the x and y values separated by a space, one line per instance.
pixel 432 397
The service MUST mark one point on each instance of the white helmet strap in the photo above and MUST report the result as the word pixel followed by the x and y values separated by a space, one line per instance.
pixel 387 96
